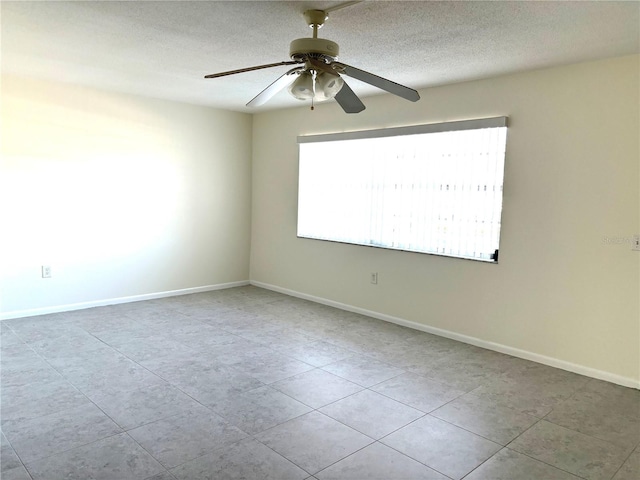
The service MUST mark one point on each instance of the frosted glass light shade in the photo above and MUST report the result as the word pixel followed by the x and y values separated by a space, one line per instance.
pixel 302 87
pixel 327 86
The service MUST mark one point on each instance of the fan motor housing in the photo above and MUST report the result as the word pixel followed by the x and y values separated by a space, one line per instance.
pixel 302 47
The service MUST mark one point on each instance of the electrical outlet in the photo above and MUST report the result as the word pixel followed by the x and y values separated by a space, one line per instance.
pixel 635 243
pixel 374 278
pixel 46 271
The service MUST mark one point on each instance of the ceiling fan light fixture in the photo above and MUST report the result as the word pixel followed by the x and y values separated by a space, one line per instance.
pixel 302 87
pixel 318 75
pixel 326 86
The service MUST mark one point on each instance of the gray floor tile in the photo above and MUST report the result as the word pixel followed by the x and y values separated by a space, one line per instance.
pixel 114 337
pixel 117 457
pixel 104 313
pixel 246 460
pixel 105 322
pixel 363 370
pixel 17 473
pixel 580 413
pixel 212 313
pixel 134 408
pixel 281 338
pixel 37 399
pixel 418 391
pixel 162 476
pixel 178 439
pixel 18 355
pixel 8 338
pixel 316 388
pixel 204 336
pixel 510 465
pixel 537 399
pixel 244 323
pixel 242 350
pixel 215 396
pixel 323 331
pixel 378 462
pixel 317 353
pixel 75 341
pixel 416 358
pixel 444 447
pixel 371 413
pixel 353 339
pixel 630 470
pixel 496 423
pixel 27 372
pixel 574 452
pixel 161 320
pixel 272 367
pixel 313 441
pixel 83 358
pixel 57 432
pixel 612 398
pixel 118 375
pixel 8 458
pixel 466 369
pixel 532 373
pixel 44 327
pixel 184 365
pixel 259 409
pixel 178 357
pixel 195 374
pixel 155 346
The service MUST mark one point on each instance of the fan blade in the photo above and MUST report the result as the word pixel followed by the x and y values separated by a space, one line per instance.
pixel 382 83
pixel 249 69
pixel 348 100
pixel 282 82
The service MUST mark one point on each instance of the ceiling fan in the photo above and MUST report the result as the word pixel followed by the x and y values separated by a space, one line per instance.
pixel 318 74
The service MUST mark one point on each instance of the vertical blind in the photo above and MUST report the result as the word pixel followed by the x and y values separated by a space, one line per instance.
pixel 430 188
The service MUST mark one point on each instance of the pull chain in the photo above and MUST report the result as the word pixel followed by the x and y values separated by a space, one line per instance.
pixel 313 83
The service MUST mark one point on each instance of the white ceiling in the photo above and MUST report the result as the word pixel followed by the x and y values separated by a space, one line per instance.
pixel 164 49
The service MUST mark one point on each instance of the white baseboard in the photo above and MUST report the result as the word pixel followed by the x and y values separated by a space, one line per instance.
pixel 113 301
pixel 515 352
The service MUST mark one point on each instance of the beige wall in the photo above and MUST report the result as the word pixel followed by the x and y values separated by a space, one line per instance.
pixel 560 293
pixel 126 197
pixel 122 196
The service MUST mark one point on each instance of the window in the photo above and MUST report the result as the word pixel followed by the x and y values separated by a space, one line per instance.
pixel 427 188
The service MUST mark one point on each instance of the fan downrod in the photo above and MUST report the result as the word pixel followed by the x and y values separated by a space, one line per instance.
pixel 302 48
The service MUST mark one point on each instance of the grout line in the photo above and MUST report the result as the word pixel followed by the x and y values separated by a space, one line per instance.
pixel 508 445
pixel 415 459
pixel 626 460
pixel 546 463
pixel 17 455
pixel 73 448
pixel 482 463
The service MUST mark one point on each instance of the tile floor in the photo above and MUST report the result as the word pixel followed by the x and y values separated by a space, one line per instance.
pixel 246 383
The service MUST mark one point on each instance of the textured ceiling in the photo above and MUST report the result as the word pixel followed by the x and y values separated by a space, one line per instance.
pixel 163 49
